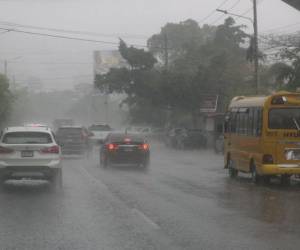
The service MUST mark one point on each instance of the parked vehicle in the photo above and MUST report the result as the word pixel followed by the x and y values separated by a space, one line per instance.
pixel 219 144
pixel 191 138
pixel 125 148
pixel 98 132
pixel 73 140
pixel 171 137
pixel 262 136
pixel 30 152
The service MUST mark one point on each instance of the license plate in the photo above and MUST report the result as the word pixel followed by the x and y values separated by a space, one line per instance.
pixel 128 149
pixel 27 153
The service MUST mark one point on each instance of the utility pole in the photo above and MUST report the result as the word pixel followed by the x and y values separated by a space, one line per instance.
pixel 255 40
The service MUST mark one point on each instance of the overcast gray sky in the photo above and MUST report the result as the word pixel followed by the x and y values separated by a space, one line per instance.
pixel 62 63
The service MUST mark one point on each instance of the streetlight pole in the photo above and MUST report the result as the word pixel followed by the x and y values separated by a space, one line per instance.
pixel 255 40
pixel 256 64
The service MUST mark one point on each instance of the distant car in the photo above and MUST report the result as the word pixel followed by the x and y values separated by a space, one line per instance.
pixel 98 132
pixel 73 140
pixel 125 148
pixel 57 123
pixel 36 125
pixel 30 152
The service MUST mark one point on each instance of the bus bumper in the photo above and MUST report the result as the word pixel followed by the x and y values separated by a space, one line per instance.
pixel 279 169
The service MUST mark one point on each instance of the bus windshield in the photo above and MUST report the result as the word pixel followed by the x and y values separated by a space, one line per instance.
pixel 284 118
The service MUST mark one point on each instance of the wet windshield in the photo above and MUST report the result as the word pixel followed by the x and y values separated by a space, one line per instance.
pixel 284 118
pixel 26 138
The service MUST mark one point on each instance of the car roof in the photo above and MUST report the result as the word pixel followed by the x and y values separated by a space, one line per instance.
pixel 27 129
pixel 71 126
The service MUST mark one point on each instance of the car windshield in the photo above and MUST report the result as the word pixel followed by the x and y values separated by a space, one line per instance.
pixel 100 128
pixel 26 138
pixel 284 118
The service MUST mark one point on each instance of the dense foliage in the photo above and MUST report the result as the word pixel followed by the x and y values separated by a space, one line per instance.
pixel 184 64
pixel 5 99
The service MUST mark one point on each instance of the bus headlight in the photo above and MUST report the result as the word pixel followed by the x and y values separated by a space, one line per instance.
pixel 292 154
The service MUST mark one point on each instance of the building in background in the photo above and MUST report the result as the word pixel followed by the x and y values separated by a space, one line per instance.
pixel 106 59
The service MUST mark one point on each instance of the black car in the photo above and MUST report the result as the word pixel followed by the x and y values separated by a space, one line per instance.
pixel 125 148
pixel 73 140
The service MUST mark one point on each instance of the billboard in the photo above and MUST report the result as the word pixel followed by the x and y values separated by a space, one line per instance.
pixel 106 59
pixel 209 103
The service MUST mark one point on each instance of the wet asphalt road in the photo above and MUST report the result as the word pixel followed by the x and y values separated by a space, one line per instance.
pixel 185 200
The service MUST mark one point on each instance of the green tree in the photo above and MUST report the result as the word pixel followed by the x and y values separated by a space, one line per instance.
pixel 6 99
pixel 285 74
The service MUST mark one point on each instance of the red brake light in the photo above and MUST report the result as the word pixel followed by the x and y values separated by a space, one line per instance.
pixel 144 146
pixel 112 146
pixel 50 150
pixel 4 150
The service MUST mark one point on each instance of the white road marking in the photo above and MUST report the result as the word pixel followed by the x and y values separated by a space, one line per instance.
pixel 95 180
pixel 145 218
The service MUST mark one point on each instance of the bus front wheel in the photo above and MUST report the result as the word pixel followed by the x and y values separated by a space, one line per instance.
pixel 285 180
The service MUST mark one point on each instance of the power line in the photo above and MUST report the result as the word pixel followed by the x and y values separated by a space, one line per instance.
pixel 67 37
pixel 56 78
pixel 213 12
pixel 281 27
pixel 78 32
pixel 230 8
pixel 248 10
pixel 56 63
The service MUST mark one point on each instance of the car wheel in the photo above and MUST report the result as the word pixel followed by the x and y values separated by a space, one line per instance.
pixel 57 179
pixel 266 179
pixel 146 163
pixel 233 172
pixel 285 180
pixel 103 162
pixel 256 178
pixel 2 180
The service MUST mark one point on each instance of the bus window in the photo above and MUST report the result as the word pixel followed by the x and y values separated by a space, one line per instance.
pixel 227 123
pixel 250 122
pixel 233 122
pixel 257 122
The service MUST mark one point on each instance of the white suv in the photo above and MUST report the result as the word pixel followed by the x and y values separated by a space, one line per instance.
pixel 98 132
pixel 30 152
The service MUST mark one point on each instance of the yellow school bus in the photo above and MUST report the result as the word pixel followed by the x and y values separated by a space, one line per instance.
pixel 262 136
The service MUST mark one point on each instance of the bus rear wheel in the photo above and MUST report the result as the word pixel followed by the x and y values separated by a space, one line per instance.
pixel 256 178
pixel 233 172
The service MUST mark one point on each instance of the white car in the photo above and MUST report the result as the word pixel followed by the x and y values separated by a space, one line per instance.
pixel 30 152
pixel 98 132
